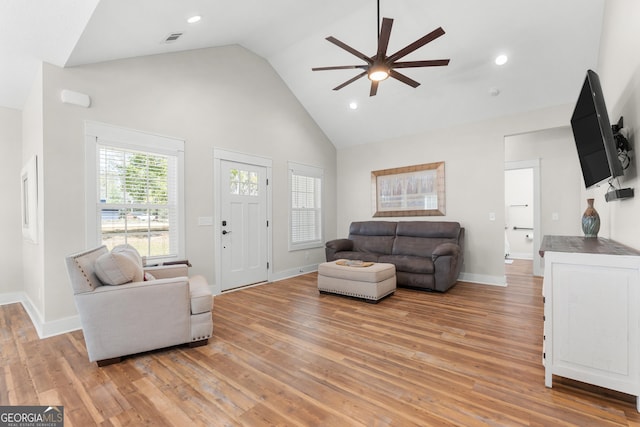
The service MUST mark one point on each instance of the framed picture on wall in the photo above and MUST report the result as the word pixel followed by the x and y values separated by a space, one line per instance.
pixel 409 191
pixel 29 192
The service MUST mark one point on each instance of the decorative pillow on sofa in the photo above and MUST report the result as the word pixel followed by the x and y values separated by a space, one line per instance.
pixel 122 265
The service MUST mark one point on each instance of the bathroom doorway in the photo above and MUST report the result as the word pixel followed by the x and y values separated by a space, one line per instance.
pixel 557 182
pixel 522 213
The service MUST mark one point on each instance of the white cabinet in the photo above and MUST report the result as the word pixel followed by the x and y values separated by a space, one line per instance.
pixel 591 291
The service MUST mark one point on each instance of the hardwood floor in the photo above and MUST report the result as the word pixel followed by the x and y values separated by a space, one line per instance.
pixel 282 354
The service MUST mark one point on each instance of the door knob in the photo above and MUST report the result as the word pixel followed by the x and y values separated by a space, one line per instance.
pixel 225 232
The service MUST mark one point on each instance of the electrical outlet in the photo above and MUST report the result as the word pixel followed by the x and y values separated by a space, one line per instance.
pixel 492 216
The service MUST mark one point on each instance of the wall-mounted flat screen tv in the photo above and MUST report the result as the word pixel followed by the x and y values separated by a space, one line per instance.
pixel 592 132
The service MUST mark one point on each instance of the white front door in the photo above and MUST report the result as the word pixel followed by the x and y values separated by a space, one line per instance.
pixel 243 214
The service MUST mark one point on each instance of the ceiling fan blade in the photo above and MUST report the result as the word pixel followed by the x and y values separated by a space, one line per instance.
pixel 417 44
pixel 404 79
pixel 350 81
pixel 349 49
pixel 383 40
pixel 430 63
pixel 374 88
pixel 340 67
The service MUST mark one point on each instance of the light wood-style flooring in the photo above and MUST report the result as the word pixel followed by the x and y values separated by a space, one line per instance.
pixel 284 355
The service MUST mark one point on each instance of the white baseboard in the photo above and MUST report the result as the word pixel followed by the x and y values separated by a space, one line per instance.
pixel 11 298
pixel 521 255
pixel 34 315
pixel 43 329
pixel 61 326
pixel 281 275
pixel 483 279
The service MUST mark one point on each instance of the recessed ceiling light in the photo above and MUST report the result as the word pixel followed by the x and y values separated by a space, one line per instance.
pixel 194 19
pixel 353 105
pixel 501 59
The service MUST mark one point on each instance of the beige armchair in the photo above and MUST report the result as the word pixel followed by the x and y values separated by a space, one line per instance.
pixel 122 313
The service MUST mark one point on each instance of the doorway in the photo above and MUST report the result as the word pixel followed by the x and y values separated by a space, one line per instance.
pixel 522 212
pixel 242 213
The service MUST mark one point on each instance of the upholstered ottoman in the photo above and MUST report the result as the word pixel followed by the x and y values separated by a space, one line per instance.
pixel 369 281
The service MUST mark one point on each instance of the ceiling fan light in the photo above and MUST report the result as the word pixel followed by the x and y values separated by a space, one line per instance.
pixel 378 73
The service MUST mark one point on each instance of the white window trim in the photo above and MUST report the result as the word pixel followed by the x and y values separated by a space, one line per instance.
pixel 135 140
pixel 311 171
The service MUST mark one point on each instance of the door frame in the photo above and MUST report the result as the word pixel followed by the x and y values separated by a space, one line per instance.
pixel 219 155
pixel 537 231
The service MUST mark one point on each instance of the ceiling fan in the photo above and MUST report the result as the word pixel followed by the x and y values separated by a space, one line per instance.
pixel 380 66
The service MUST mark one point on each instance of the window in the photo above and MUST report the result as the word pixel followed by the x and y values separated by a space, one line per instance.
pixel 243 183
pixel 136 196
pixel 305 218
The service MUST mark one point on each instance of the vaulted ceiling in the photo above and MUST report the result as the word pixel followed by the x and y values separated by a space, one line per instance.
pixel 550 45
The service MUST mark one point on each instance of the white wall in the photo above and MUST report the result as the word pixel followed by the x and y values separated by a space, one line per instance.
pixel 474 179
pixel 221 97
pixel 10 220
pixel 619 71
pixel 33 253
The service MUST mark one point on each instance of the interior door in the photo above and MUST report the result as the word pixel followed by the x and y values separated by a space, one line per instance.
pixel 243 213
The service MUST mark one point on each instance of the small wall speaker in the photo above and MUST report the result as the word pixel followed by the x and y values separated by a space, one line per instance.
pixel 75 98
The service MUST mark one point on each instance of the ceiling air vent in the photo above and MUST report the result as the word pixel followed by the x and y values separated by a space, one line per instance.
pixel 172 37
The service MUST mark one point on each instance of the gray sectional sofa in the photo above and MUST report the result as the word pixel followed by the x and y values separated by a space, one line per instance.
pixel 428 255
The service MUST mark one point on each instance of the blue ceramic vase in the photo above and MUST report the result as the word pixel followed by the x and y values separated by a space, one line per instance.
pixel 590 220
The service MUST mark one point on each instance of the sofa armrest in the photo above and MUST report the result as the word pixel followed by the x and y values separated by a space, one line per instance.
pixel 135 317
pixel 445 249
pixel 337 245
pixel 447 263
pixel 168 271
pixel 340 245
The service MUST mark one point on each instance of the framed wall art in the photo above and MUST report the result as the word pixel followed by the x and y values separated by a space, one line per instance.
pixel 409 191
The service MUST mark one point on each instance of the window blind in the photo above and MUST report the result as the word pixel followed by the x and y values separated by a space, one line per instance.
pixel 137 200
pixel 305 223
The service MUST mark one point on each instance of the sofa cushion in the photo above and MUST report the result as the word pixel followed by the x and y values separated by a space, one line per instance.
pixel 373 228
pixel 117 268
pixel 433 229
pixel 414 238
pixel 409 264
pixel 373 244
pixel 372 236
pixel 416 246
